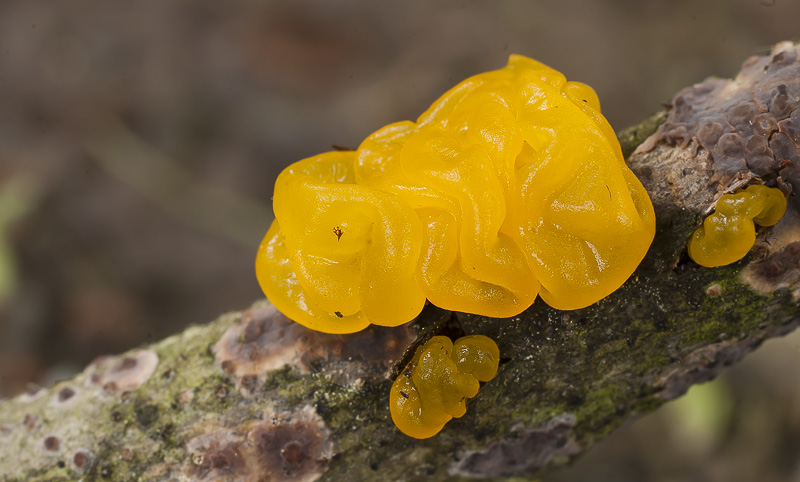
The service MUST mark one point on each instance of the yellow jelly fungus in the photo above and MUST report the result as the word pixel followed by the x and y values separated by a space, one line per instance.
pixel 434 386
pixel 511 185
pixel 727 235
pixel 339 255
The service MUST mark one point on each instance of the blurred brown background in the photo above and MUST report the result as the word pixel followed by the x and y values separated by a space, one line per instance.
pixel 139 142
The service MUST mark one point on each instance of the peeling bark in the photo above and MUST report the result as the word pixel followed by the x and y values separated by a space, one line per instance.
pixel 252 395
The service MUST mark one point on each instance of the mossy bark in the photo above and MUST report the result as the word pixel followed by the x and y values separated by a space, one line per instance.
pixel 567 379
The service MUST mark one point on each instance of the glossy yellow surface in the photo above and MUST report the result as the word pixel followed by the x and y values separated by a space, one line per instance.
pixel 434 386
pixel 727 235
pixel 339 255
pixel 511 185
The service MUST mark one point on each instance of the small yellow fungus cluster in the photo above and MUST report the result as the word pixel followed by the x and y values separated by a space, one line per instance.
pixel 511 185
pixel 727 235
pixel 434 386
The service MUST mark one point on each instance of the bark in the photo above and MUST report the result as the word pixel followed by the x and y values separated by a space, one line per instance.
pixel 252 396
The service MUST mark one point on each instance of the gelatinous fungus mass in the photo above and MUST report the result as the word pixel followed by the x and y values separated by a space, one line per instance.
pixel 511 185
pixel 727 235
pixel 434 386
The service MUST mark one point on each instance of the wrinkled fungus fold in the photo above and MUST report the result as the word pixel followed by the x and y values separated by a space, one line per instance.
pixel 727 235
pixel 434 387
pixel 511 185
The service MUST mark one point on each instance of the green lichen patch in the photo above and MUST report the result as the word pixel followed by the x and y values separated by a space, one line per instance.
pixel 633 136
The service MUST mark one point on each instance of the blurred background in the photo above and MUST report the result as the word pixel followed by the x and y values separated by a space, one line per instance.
pixel 139 143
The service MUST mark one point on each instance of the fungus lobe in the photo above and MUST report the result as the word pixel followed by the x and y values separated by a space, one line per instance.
pixel 727 235
pixel 434 387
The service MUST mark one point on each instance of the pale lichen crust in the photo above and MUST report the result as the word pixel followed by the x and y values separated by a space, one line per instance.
pixel 266 340
pixel 285 446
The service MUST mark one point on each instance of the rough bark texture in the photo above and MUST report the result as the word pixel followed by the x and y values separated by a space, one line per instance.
pixel 252 396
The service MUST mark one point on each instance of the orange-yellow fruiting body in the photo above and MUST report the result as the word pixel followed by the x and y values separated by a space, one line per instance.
pixel 434 386
pixel 727 235
pixel 511 185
